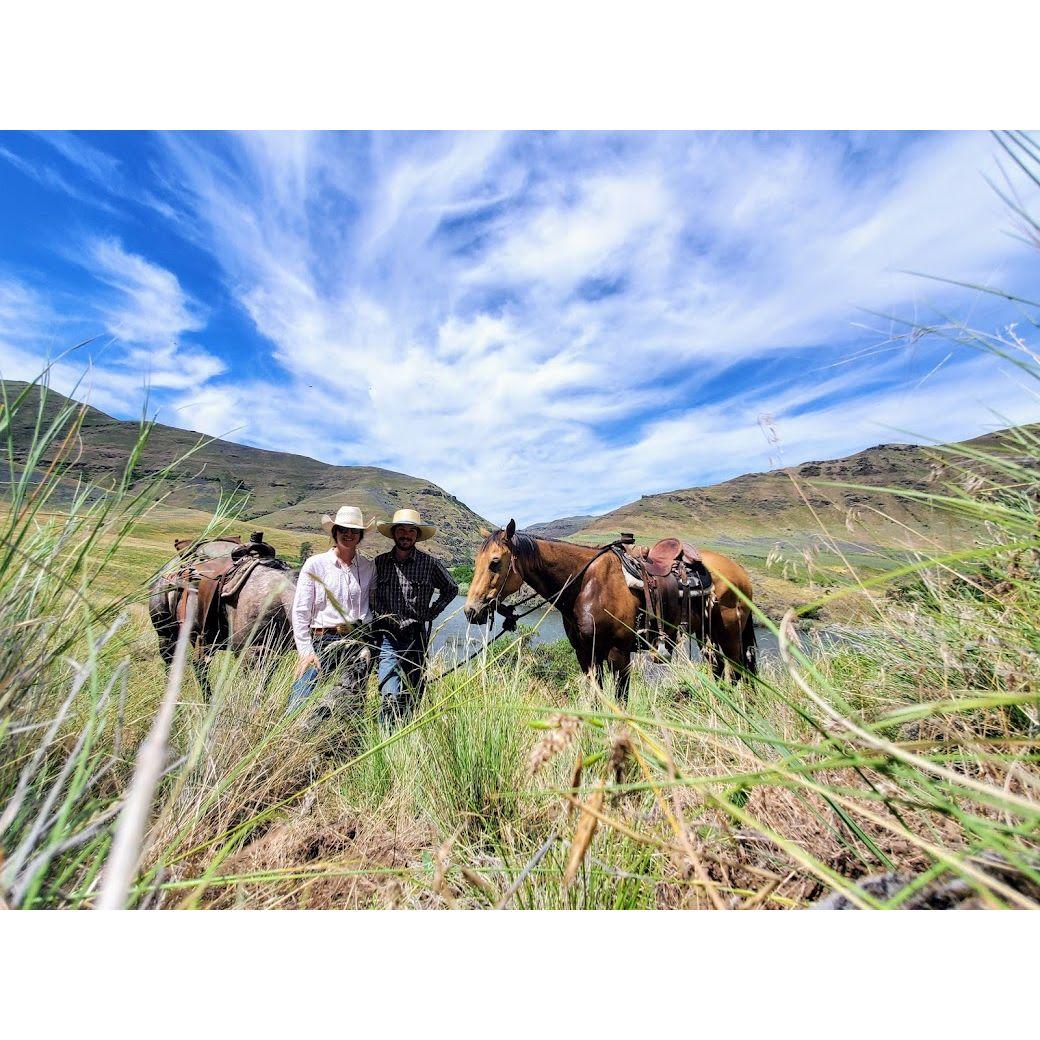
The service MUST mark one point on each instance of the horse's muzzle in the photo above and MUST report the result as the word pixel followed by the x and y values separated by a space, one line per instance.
pixel 477 615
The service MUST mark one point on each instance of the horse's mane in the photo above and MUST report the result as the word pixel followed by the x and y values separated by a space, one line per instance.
pixel 525 546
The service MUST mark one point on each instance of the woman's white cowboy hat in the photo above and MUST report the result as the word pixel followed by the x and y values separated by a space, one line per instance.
pixel 411 518
pixel 346 516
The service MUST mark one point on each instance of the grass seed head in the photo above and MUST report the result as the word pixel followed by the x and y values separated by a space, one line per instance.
pixel 560 735
pixel 620 751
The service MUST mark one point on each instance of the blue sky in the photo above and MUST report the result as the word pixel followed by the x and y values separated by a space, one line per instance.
pixel 543 324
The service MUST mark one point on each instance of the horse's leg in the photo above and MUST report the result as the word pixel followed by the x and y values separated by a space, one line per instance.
pixel 712 654
pixel 591 665
pixel 200 662
pixel 582 647
pixel 730 640
pixel 705 629
pixel 166 631
pixel 749 646
pixel 620 664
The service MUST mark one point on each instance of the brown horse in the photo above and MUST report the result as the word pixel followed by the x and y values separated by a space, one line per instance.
pixel 600 612
pixel 258 616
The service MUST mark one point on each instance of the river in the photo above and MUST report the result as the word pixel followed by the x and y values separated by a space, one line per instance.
pixel 458 639
pixel 453 633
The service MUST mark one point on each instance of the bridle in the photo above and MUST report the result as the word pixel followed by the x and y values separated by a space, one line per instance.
pixel 508 610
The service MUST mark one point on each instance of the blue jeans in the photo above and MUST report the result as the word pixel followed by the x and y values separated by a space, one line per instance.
pixel 344 658
pixel 401 681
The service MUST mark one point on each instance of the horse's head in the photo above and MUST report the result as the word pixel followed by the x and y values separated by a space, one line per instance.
pixel 495 575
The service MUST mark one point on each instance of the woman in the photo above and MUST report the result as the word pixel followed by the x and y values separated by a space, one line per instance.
pixel 330 615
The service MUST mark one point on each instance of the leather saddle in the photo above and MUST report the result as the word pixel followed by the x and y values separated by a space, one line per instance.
pixel 668 555
pixel 256 547
pixel 189 547
pixel 675 585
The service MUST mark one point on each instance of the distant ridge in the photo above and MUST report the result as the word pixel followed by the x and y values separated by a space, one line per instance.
pixel 290 492
pixel 561 528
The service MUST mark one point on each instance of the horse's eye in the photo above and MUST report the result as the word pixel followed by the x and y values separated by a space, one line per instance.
pixel 494 565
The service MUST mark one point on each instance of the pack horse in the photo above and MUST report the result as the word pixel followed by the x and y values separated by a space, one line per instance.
pixel 617 599
pixel 245 596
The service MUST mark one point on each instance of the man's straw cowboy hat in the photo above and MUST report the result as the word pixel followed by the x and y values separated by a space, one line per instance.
pixel 410 518
pixel 346 516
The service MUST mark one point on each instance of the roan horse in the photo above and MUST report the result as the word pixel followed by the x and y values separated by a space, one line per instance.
pixel 258 616
pixel 600 612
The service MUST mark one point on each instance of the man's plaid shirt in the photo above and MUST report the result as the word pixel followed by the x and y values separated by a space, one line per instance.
pixel 404 590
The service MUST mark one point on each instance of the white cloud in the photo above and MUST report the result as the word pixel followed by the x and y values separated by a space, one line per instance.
pixel 148 313
pixel 49 177
pixel 150 307
pixel 144 309
pixel 101 167
pixel 698 253
pixel 562 243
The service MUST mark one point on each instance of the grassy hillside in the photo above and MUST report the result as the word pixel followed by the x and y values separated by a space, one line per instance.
pixel 279 491
pixel 797 532
pixel 777 504
pixel 791 527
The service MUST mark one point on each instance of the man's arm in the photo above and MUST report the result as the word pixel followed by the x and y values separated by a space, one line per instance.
pixel 447 589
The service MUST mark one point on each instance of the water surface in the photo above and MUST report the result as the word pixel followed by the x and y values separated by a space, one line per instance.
pixel 459 639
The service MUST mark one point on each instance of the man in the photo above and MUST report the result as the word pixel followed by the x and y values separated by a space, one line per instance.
pixel 406 580
pixel 331 614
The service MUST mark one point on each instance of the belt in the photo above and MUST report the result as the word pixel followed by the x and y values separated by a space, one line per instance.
pixel 336 630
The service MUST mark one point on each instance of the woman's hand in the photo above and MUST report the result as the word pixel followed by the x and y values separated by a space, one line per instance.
pixel 305 662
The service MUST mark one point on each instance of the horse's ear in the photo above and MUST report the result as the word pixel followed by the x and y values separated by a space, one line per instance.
pixel 510 530
pixel 483 532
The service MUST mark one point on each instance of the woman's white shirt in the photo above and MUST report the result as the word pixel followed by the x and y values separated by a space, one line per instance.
pixel 325 581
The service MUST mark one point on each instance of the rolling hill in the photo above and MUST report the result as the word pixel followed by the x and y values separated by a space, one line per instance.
pixel 750 517
pixel 282 491
pixel 798 536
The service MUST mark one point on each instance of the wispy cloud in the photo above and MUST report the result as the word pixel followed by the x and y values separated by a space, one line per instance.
pixel 139 304
pixel 149 307
pixel 148 313
pixel 49 177
pixel 101 167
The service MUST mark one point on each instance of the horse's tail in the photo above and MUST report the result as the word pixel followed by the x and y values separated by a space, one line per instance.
pixel 162 611
pixel 749 645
